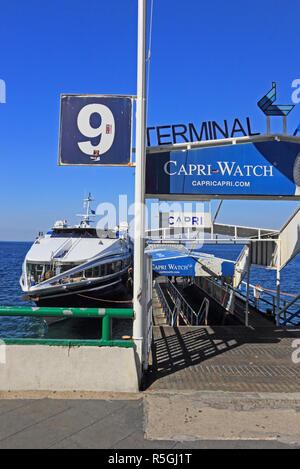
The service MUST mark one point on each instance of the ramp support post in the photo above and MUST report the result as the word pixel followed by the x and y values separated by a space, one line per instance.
pixel 278 285
pixel 139 211
pixel 248 286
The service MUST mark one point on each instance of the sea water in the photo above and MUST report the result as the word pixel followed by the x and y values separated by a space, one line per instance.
pixel 12 256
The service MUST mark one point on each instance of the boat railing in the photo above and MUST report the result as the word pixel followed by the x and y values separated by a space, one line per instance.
pixel 73 245
pixel 106 314
pixel 67 242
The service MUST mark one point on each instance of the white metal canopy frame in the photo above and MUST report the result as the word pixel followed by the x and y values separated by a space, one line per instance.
pixel 140 300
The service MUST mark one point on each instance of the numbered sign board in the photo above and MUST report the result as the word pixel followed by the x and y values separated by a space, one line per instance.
pixel 95 130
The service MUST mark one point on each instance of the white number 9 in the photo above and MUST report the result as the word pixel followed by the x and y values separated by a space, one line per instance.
pixel 106 128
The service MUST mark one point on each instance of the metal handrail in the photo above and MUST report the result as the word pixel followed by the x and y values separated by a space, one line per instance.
pixel 107 314
pixel 186 309
pixel 165 304
pixel 204 314
pixel 272 296
pixel 284 310
pixel 254 302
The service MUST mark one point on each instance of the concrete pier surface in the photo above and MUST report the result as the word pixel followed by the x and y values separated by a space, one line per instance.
pixel 214 387
pixel 163 421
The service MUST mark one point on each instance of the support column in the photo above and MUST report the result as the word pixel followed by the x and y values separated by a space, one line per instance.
pixel 248 286
pixel 278 285
pixel 139 227
pixel 268 125
pixel 284 126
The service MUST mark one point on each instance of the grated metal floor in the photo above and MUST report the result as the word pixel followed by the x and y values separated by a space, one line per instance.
pixel 223 358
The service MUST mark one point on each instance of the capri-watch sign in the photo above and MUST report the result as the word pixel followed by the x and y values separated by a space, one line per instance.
pixel 262 169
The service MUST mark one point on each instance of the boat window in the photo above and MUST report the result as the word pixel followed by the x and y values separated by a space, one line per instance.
pixel 65 267
pixel 104 269
pixel 77 275
pixel 37 273
pixel 89 273
pixel 94 272
pixel 116 266
pixel 82 233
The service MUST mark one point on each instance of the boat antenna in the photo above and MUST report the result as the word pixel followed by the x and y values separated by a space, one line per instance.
pixel 89 213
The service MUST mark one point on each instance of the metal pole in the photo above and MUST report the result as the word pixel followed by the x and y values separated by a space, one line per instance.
pixel 284 127
pixel 212 222
pixel 248 286
pixel 217 211
pixel 138 295
pixel 268 125
pixel 278 285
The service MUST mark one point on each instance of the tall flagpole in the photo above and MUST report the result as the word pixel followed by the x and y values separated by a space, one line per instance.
pixel 139 229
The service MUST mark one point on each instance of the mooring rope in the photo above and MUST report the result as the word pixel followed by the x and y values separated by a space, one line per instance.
pixel 104 300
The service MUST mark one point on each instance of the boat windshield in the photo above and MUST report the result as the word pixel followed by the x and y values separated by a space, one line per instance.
pixel 82 233
pixel 37 273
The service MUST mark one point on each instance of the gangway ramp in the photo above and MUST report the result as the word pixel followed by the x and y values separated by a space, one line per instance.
pixel 290 239
pixel 263 253
pixel 178 305
pixel 190 305
pixel 272 249
pixel 239 231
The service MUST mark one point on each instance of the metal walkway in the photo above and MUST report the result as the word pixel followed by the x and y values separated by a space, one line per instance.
pixel 190 305
pixel 237 306
pixel 178 304
pixel 228 358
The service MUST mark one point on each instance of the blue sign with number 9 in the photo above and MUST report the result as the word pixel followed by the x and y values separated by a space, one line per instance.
pixel 95 130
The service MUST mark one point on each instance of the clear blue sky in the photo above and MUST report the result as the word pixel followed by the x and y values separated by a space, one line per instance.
pixel 210 61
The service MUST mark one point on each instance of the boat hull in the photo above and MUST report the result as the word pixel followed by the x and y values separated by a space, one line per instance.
pixel 115 293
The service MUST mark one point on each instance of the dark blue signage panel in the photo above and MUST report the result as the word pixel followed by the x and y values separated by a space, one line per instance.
pixel 167 262
pixel 262 169
pixel 95 130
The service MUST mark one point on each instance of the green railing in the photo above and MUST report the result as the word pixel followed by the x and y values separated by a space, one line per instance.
pixel 106 314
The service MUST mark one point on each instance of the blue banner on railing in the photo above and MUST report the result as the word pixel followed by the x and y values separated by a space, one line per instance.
pixel 95 130
pixel 261 169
